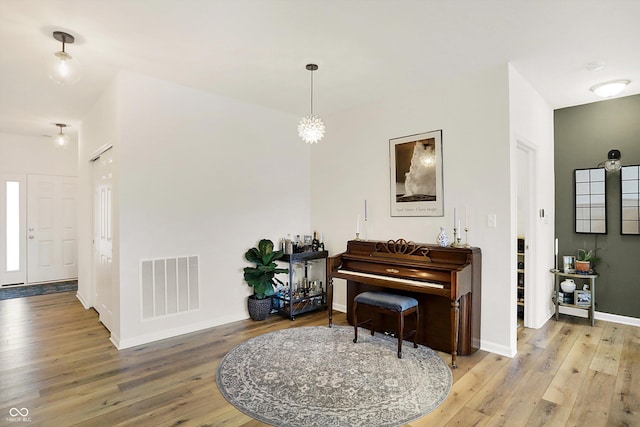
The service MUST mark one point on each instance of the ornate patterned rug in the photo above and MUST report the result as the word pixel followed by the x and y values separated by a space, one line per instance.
pixel 317 376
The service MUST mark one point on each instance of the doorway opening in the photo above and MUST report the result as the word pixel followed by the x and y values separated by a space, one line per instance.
pixel 526 234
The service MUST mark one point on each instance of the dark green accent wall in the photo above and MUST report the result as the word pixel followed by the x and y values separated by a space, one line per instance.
pixel 583 137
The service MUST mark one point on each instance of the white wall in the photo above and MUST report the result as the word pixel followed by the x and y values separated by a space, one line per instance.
pixel 191 183
pixel 352 164
pixel 532 127
pixel 37 155
pixel 200 174
pixel 99 129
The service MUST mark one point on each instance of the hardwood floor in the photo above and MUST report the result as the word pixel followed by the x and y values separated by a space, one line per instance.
pixel 56 361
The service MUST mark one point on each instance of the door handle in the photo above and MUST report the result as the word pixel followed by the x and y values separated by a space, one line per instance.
pixel 31 237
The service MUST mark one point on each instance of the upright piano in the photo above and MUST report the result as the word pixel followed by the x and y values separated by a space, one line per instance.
pixel 446 281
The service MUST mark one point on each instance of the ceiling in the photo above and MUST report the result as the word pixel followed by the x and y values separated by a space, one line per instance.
pixel 256 50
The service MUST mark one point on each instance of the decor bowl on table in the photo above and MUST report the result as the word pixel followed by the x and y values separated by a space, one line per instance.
pixel 317 376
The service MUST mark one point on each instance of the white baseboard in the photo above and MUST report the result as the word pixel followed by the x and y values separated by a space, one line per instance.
pixel 607 317
pixel 616 318
pixel 84 303
pixel 340 307
pixel 497 349
pixel 174 332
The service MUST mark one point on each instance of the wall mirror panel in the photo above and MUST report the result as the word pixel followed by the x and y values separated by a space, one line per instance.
pixel 630 207
pixel 590 201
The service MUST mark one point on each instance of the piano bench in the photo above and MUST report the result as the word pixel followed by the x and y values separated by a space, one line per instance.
pixel 386 303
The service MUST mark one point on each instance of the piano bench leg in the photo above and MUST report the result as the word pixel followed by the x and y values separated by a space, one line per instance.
pixel 355 321
pixel 357 324
pixel 361 324
pixel 400 332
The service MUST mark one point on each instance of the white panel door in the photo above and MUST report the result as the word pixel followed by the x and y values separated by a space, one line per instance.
pixel 52 229
pixel 13 236
pixel 103 236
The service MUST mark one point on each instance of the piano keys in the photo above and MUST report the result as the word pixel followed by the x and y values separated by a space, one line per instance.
pixel 445 281
pixel 356 275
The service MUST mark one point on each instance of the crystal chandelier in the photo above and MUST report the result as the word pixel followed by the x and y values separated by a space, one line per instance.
pixel 311 127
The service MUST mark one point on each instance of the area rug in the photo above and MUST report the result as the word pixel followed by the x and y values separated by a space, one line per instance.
pixel 317 376
pixel 9 292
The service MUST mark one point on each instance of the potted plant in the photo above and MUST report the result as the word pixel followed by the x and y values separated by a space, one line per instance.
pixel 262 277
pixel 586 260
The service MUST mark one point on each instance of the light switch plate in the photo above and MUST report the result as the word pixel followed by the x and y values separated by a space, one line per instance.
pixel 491 220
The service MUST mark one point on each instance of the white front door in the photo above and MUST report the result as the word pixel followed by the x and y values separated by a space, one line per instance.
pixel 52 231
pixel 13 236
pixel 103 236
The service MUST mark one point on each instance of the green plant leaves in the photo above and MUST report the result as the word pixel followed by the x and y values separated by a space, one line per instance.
pixel 261 277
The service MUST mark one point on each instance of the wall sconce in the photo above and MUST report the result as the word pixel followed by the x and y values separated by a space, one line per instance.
pixel 613 162
pixel 63 70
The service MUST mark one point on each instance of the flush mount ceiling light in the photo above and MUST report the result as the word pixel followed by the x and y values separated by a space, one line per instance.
pixel 62 69
pixel 61 140
pixel 311 127
pixel 613 162
pixel 609 89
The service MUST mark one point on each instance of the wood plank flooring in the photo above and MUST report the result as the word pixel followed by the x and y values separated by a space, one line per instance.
pixel 56 360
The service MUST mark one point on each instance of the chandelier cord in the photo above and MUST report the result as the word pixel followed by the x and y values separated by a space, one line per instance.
pixel 312 92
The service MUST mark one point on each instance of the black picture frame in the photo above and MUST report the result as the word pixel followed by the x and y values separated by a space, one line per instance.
pixel 416 177
pixel 590 201
pixel 630 200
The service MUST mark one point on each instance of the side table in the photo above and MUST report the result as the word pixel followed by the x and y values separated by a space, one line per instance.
pixel 592 288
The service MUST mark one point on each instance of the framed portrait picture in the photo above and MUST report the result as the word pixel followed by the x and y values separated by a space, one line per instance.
pixel 416 175
pixel 582 298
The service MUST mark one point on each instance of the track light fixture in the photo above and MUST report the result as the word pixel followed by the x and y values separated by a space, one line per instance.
pixel 63 69
pixel 311 127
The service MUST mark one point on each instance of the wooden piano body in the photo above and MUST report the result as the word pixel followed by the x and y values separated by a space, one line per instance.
pixel 446 281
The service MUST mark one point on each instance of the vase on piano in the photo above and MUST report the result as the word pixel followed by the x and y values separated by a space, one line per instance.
pixel 442 239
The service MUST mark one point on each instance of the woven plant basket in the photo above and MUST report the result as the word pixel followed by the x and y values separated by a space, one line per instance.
pixel 259 308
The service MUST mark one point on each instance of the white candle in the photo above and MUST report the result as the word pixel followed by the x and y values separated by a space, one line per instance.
pixel 358 224
pixel 459 227
pixel 556 252
pixel 455 218
pixel 365 210
pixel 466 218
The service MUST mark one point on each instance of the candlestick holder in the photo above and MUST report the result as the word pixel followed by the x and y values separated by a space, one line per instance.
pixel 357 236
pixel 456 240
pixel 466 237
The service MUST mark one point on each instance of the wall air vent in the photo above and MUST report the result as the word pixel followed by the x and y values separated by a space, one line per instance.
pixel 169 286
